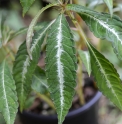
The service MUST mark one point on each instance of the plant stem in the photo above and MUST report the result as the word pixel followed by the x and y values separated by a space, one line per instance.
pixel 66 1
pixel 75 2
pixel 47 100
pixel 79 88
pixel 79 29
pixel 81 33
pixel 70 1
pixel 9 53
pixel 60 1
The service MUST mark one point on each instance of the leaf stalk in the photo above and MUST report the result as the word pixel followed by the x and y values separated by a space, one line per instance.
pixel 47 100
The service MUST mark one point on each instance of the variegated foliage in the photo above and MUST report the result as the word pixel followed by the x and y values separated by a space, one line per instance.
pixel 61 61
pixel 8 95
pixel 102 25
pixel 61 66
pixel 24 67
pixel 107 78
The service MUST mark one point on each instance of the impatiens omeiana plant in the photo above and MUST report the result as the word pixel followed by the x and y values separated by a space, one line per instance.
pixel 62 58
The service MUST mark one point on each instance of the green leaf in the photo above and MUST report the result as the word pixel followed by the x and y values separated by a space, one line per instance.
pixel 39 82
pixel 24 67
pixel 84 55
pixel 26 4
pixel 61 66
pixel 2 121
pixel 109 3
pixel 8 95
pixel 31 28
pixel 24 30
pixel 5 32
pixel 29 102
pixel 102 25
pixel 107 78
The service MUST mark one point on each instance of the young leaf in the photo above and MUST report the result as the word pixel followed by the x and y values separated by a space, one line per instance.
pixel 107 78
pixel 26 4
pixel 93 3
pixel 24 67
pixel 31 28
pixel 39 81
pixel 102 25
pixel 84 55
pixel 24 30
pixel 61 66
pixel 109 3
pixel 8 95
pixel 5 32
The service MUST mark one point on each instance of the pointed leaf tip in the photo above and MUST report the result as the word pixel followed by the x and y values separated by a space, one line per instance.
pixel 26 4
pixel 109 3
pixel 30 33
pixel 61 66
pixel 24 67
pixel 84 55
pixel 106 76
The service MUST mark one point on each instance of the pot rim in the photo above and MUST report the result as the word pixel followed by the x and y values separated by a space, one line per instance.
pixel 87 106
pixel 82 109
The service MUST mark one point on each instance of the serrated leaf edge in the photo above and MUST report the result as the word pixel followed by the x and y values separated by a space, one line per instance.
pixel 104 74
pixel 59 63
pixel 27 61
pixel 31 28
pixel 4 91
pixel 104 24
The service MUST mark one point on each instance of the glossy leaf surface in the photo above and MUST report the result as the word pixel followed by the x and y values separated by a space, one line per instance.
pixel 102 25
pixel 8 95
pixel 61 66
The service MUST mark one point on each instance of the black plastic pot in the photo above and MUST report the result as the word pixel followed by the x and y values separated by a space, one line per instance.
pixel 87 114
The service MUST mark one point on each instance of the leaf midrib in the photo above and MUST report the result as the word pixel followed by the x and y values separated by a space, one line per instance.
pixel 40 81
pixel 28 58
pixel 36 40
pixel 5 96
pixel 106 26
pixel 60 68
pixel 105 75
